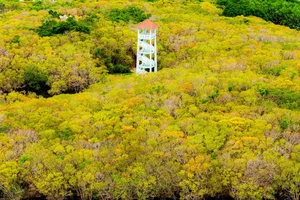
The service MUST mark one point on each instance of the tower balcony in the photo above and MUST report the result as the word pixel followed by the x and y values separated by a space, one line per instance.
pixel 147 36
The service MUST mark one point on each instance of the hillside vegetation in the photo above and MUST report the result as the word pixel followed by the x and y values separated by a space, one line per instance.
pixel 283 12
pixel 221 117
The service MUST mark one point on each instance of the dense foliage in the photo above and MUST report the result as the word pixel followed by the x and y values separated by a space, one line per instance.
pixel 127 14
pixel 74 52
pixel 279 12
pixel 2 7
pixel 52 27
pixel 220 118
pixel 35 80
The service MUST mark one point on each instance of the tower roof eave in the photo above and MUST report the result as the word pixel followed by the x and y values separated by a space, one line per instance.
pixel 147 24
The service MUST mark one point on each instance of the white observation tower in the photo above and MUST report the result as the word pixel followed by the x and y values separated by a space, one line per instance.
pixel 146 59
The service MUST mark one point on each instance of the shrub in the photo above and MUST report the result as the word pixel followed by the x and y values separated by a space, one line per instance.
pixel 38 5
pixel 52 27
pixel 46 29
pixel 244 7
pixel 35 80
pixel 284 124
pixel 54 14
pixel 70 25
pixel 222 2
pixel 284 13
pixel 2 7
pixel 263 92
pixel 119 68
pixel 90 20
pixel 214 96
pixel 116 61
pixel 130 13
pixel 284 98
pixel 16 39
pixel 65 134
pixel 4 128
pixel 275 71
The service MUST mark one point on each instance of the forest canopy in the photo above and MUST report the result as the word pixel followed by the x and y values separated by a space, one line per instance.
pixel 219 119
pixel 281 12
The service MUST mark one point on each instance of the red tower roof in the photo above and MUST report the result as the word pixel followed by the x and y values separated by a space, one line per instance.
pixel 147 24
